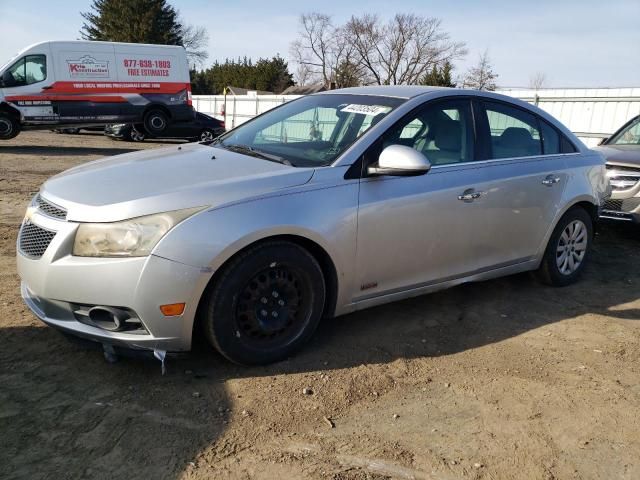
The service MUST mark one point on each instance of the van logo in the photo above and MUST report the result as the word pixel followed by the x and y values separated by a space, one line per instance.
pixel 87 66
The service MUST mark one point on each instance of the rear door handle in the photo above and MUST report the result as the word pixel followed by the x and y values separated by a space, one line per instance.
pixel 470 195
pixel 550 180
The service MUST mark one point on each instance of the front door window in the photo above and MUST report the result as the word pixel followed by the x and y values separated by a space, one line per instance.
pixel 27 70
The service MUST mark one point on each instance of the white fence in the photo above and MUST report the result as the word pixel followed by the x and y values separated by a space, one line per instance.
pixel 591 114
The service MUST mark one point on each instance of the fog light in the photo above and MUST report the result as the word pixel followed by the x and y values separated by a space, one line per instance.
pixel 172 310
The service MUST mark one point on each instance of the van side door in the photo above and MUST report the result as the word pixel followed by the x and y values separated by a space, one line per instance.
pixel 86 91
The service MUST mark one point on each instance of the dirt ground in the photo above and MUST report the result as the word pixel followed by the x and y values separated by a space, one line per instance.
pixel 496 380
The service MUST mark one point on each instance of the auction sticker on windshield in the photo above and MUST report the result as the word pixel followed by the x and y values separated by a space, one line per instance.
pixel 366 109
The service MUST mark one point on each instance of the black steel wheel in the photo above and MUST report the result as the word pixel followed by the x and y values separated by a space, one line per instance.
pixel 266 303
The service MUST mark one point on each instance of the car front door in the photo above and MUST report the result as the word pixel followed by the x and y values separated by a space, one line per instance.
pixel 525 177
pixel 421 230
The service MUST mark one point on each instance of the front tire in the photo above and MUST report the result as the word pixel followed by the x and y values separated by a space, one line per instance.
pixel 9 126
pixel 266 303
pixel 136 135
pixel 568 249
pixel 155 122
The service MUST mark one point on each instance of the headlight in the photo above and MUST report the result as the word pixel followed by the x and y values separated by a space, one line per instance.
pixel 130 238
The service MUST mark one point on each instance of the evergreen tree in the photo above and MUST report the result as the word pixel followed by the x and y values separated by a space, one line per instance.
pixel 439 77
pixel 142 21
pixel 135 21
pixel 266 74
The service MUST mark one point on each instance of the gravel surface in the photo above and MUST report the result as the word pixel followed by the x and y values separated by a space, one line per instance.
pixel 498 380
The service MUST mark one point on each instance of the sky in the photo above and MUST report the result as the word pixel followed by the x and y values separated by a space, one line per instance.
pixel 573 43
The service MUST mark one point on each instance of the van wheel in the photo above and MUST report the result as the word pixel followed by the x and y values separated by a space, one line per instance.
pixel 9 126
pixel 266 304
pixel 155 121
pixel 568 249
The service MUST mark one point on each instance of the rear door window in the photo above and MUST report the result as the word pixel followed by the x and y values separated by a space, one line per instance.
pixel 514 132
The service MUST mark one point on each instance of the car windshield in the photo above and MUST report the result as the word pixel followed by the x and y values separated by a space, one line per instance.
pixel 629 135
pixel 309 132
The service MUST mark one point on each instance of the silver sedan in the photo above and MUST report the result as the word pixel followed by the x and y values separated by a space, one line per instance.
pixel 325 205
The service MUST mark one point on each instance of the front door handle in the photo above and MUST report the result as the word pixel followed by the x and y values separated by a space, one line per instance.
pixel 550 180
pixel 470 195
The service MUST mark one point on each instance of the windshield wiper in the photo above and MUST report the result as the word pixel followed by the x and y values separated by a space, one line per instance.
pixel 248 150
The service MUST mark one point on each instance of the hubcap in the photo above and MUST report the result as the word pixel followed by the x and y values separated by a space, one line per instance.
pixel 572 247
pixel 206 136
pixel 157 123
pixel 273 307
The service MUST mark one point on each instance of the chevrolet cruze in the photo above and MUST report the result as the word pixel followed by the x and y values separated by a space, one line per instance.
pixel 325 205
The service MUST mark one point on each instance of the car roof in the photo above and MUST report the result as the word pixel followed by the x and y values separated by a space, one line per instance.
pixel 398 91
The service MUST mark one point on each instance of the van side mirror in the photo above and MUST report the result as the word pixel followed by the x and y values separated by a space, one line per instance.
pixel 399 160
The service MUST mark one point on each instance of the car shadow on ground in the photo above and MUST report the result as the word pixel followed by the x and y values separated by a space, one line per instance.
pixel 55 151
pixel 128 419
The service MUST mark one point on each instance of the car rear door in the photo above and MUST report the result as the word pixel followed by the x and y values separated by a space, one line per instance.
pixel 421 230
pixel 525 176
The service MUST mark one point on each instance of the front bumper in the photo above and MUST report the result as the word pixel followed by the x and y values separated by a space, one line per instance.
pixel 56 283
pixel 622 209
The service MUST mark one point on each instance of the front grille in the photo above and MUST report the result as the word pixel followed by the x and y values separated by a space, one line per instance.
pixel 49 209
pixel 621 177
pixel 622 205
pixel 34 240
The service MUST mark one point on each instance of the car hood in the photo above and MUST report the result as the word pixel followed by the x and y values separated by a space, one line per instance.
pixel 160 180
pixel 621 154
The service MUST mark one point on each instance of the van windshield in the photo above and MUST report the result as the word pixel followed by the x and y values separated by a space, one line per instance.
pixel 312 131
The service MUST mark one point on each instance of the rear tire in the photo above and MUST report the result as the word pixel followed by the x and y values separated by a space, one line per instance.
pixel 9 126
pixel 155 121
pixel 265 305
pixel 568 249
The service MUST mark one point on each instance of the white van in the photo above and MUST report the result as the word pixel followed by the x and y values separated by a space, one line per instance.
pixel 81 83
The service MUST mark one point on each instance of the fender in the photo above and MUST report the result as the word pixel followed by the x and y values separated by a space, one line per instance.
pixel 9 108
pixel 210 238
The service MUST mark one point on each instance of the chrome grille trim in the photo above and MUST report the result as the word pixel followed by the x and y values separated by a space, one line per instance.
pixel 49 209
pixel 34 240
pixel 621 177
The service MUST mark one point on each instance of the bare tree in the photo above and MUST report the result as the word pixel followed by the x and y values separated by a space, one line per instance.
pixel 195 41
pixel 303 74
pixel 481 76
pixel 537 81
pixel 368 51
pixel 402 50
pixel 314 49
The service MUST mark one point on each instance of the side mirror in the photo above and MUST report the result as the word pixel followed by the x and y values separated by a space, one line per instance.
pixel 400 160
pixel 603 141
